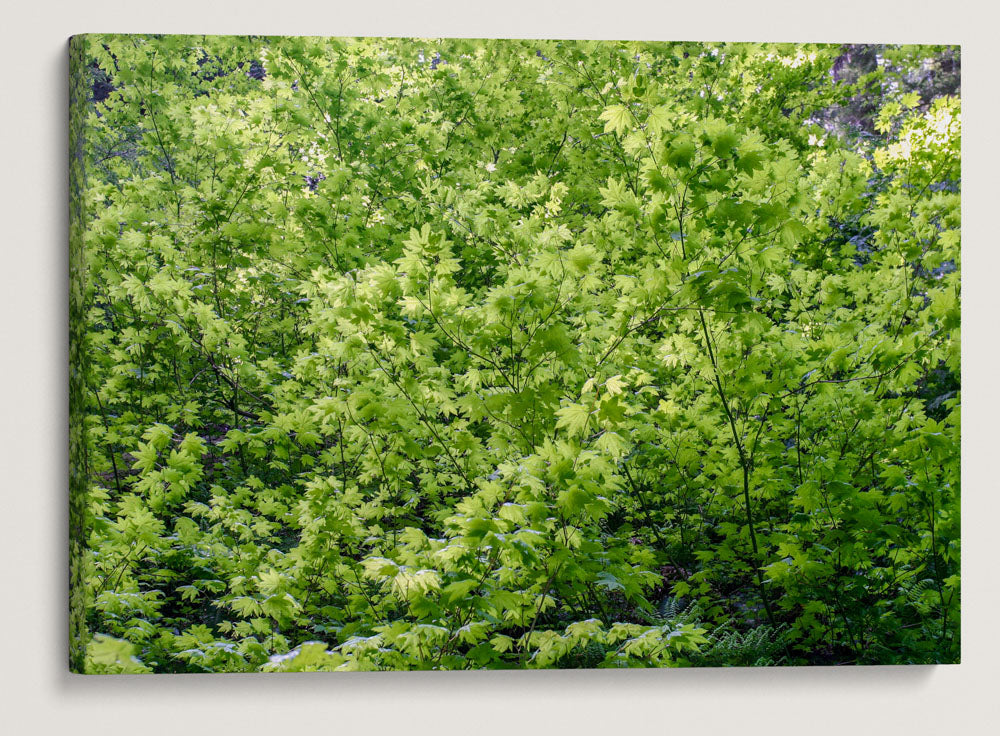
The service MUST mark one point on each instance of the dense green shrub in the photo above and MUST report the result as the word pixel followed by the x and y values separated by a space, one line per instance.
pixel 405 354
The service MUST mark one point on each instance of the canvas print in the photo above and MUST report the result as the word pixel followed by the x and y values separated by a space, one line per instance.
pixel 457 354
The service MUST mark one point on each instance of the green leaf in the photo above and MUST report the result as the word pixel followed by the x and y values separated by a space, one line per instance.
pixel 617 119
pixel 573 418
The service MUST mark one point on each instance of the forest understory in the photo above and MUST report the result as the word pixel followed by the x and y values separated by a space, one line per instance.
pixel 411 354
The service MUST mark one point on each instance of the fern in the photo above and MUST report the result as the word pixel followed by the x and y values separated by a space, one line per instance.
pixel 758 647
pixel 917 594
pixel 670 607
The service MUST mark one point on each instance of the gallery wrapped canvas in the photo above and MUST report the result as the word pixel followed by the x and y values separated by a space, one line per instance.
pixel 428 354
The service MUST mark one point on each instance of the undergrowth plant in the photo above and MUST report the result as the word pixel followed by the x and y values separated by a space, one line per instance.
pixel 456 354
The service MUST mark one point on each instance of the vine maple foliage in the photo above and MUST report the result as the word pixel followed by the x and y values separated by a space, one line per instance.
pixel 455 354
